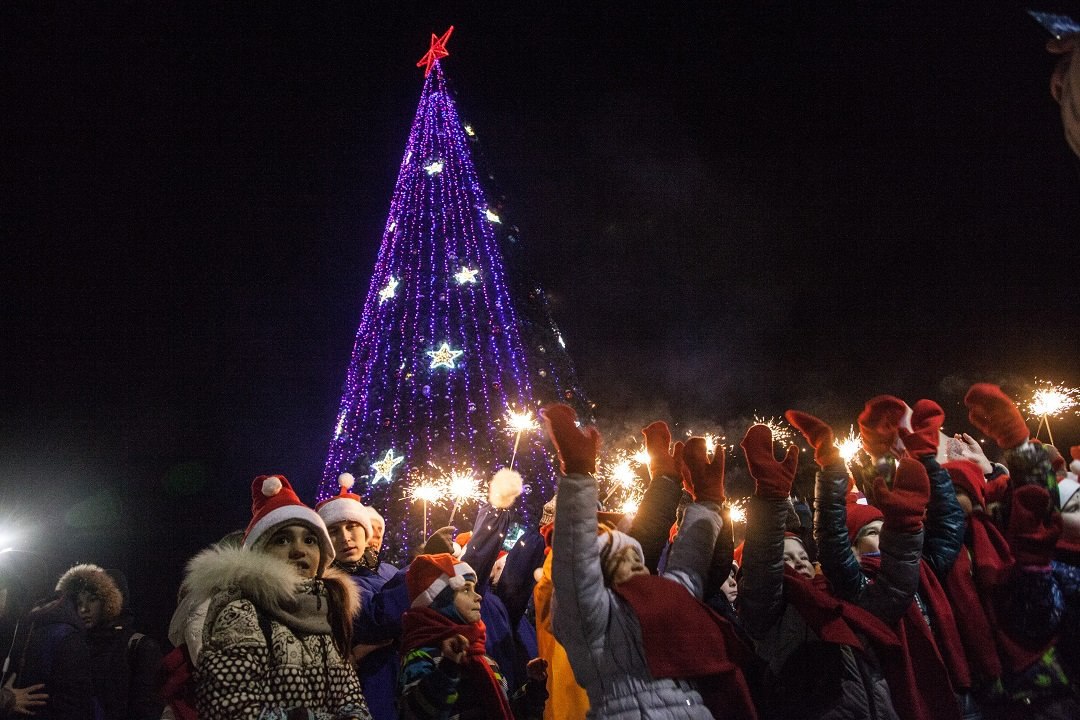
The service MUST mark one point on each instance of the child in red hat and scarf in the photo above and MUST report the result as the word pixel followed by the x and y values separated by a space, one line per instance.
pixel 445 672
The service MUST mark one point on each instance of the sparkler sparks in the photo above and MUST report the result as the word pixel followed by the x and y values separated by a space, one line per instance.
pixel 520 422
pixel 781 434
pixel 428 492
pixel 850 445
pixel 1052 400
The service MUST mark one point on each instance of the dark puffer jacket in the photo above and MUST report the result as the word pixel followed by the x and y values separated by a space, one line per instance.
pixel 811 678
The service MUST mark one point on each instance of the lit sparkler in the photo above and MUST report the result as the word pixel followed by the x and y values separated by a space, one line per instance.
pixel 1052 400
pixel 780 433
pixel 517 423
pixel 425 492
pixel 849 446
pixel 463 487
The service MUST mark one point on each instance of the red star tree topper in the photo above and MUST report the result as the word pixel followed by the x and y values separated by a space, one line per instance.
pixel 436 51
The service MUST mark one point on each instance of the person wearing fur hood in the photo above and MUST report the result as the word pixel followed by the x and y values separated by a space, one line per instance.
pixel 124 664
pixel 278 624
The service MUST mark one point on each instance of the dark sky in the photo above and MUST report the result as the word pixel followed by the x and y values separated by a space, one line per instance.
pixel 735 210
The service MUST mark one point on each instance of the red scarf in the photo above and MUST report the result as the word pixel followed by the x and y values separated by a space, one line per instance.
pixel 672 620
pixel 913 670
pixel 424 627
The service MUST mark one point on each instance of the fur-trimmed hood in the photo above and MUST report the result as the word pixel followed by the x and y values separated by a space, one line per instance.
pixel 94 580
pixel 260 577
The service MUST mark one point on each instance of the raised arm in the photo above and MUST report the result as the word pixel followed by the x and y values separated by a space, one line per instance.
pixel 657 511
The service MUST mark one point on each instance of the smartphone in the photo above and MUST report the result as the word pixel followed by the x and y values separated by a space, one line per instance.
pixel 1057 25
pixel 513 534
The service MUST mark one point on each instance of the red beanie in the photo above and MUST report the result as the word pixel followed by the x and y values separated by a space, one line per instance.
pixel 858 517
pixel 966 476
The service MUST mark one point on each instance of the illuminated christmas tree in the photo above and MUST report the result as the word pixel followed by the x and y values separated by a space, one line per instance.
pixel 440 359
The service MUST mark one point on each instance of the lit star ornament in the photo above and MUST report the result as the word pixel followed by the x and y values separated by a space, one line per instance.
pixel 435 51
pixel 434 167
pixel 444 357
pixel 388 292
pixel 467 275
pixel 384 469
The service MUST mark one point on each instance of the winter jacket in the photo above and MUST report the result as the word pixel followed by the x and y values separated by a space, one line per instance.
pixel 566 699
pixel 810 678
pixel 52 650
pixel 384 598
pixel 655 516
pixel 600 633
pixel 267 647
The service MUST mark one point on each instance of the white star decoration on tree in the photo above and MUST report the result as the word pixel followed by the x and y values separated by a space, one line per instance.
pixel 388 292
pixel 434 168
pixel 467 275
pixel 384 468
pixel 444 357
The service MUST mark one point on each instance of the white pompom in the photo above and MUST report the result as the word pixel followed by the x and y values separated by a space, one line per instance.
pixel 271 486
pixel 346 480
pixel 1075 467
pixel 505 488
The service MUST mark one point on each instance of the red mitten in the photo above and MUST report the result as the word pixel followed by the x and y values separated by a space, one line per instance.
pixel 879 424
pixel 773 479
pixel 706 478
pixel 819 435
pixel 662 460
pixel 991 410
pixel 905 504
pixel 1034 527
pixel 577 449
pixel 927 417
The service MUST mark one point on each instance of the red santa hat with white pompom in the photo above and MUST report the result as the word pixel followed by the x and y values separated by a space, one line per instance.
pixel 274 504
pixel 345 506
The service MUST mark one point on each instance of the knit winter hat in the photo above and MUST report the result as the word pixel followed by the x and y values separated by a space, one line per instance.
pixel 345 506
pixel 96 581
pixel 966 476
pixel 858 517
pixel 609 543
pixel 274 504
pixel 429 577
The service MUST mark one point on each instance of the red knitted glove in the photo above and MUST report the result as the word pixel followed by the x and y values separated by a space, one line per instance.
pixel 879 423
pixel 991 410
pixel 1034 527
pixel 577 449
pixel 773 479
pixel 819 435
pixel 706 478
pixel 905 504
pixel 662 460
pixel 927 417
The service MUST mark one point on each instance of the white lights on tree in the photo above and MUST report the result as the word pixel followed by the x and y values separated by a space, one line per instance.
pixel 465 276
pixel 388 292
pixel 434 167
pixel 444 357
pixel 384 468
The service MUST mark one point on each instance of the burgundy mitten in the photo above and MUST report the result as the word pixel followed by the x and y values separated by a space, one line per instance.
pixel 658 443
pixel 773 478
pixel 991 410
pixel 879 423
pixel 819 435
pixel 577 449
pixel 706 478
pixel 1034 527
pixel 927 417
pixel 905 504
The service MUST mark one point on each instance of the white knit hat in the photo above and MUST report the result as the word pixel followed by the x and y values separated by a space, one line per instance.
pixel 609 543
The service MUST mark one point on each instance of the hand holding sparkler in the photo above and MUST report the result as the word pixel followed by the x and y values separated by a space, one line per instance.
pixel 773 479
pixel 921 440
pixel 706 478
pixel 577 449
pixel 995 414
pixel 819 435
pixel 879 424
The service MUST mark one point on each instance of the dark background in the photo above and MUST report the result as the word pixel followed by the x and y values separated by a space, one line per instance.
pixel 734 210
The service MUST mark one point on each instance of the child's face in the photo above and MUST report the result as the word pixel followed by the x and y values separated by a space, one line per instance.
pixel 467 602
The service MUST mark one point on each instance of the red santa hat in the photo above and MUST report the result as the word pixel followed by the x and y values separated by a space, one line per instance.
pixel 274 504
pixel 429 575
pixel 345 506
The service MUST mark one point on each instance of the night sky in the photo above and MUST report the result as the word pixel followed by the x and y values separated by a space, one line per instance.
pixel 733 209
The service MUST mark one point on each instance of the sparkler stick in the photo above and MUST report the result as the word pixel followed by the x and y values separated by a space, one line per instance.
pixel 518 423
pixel 1052 400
